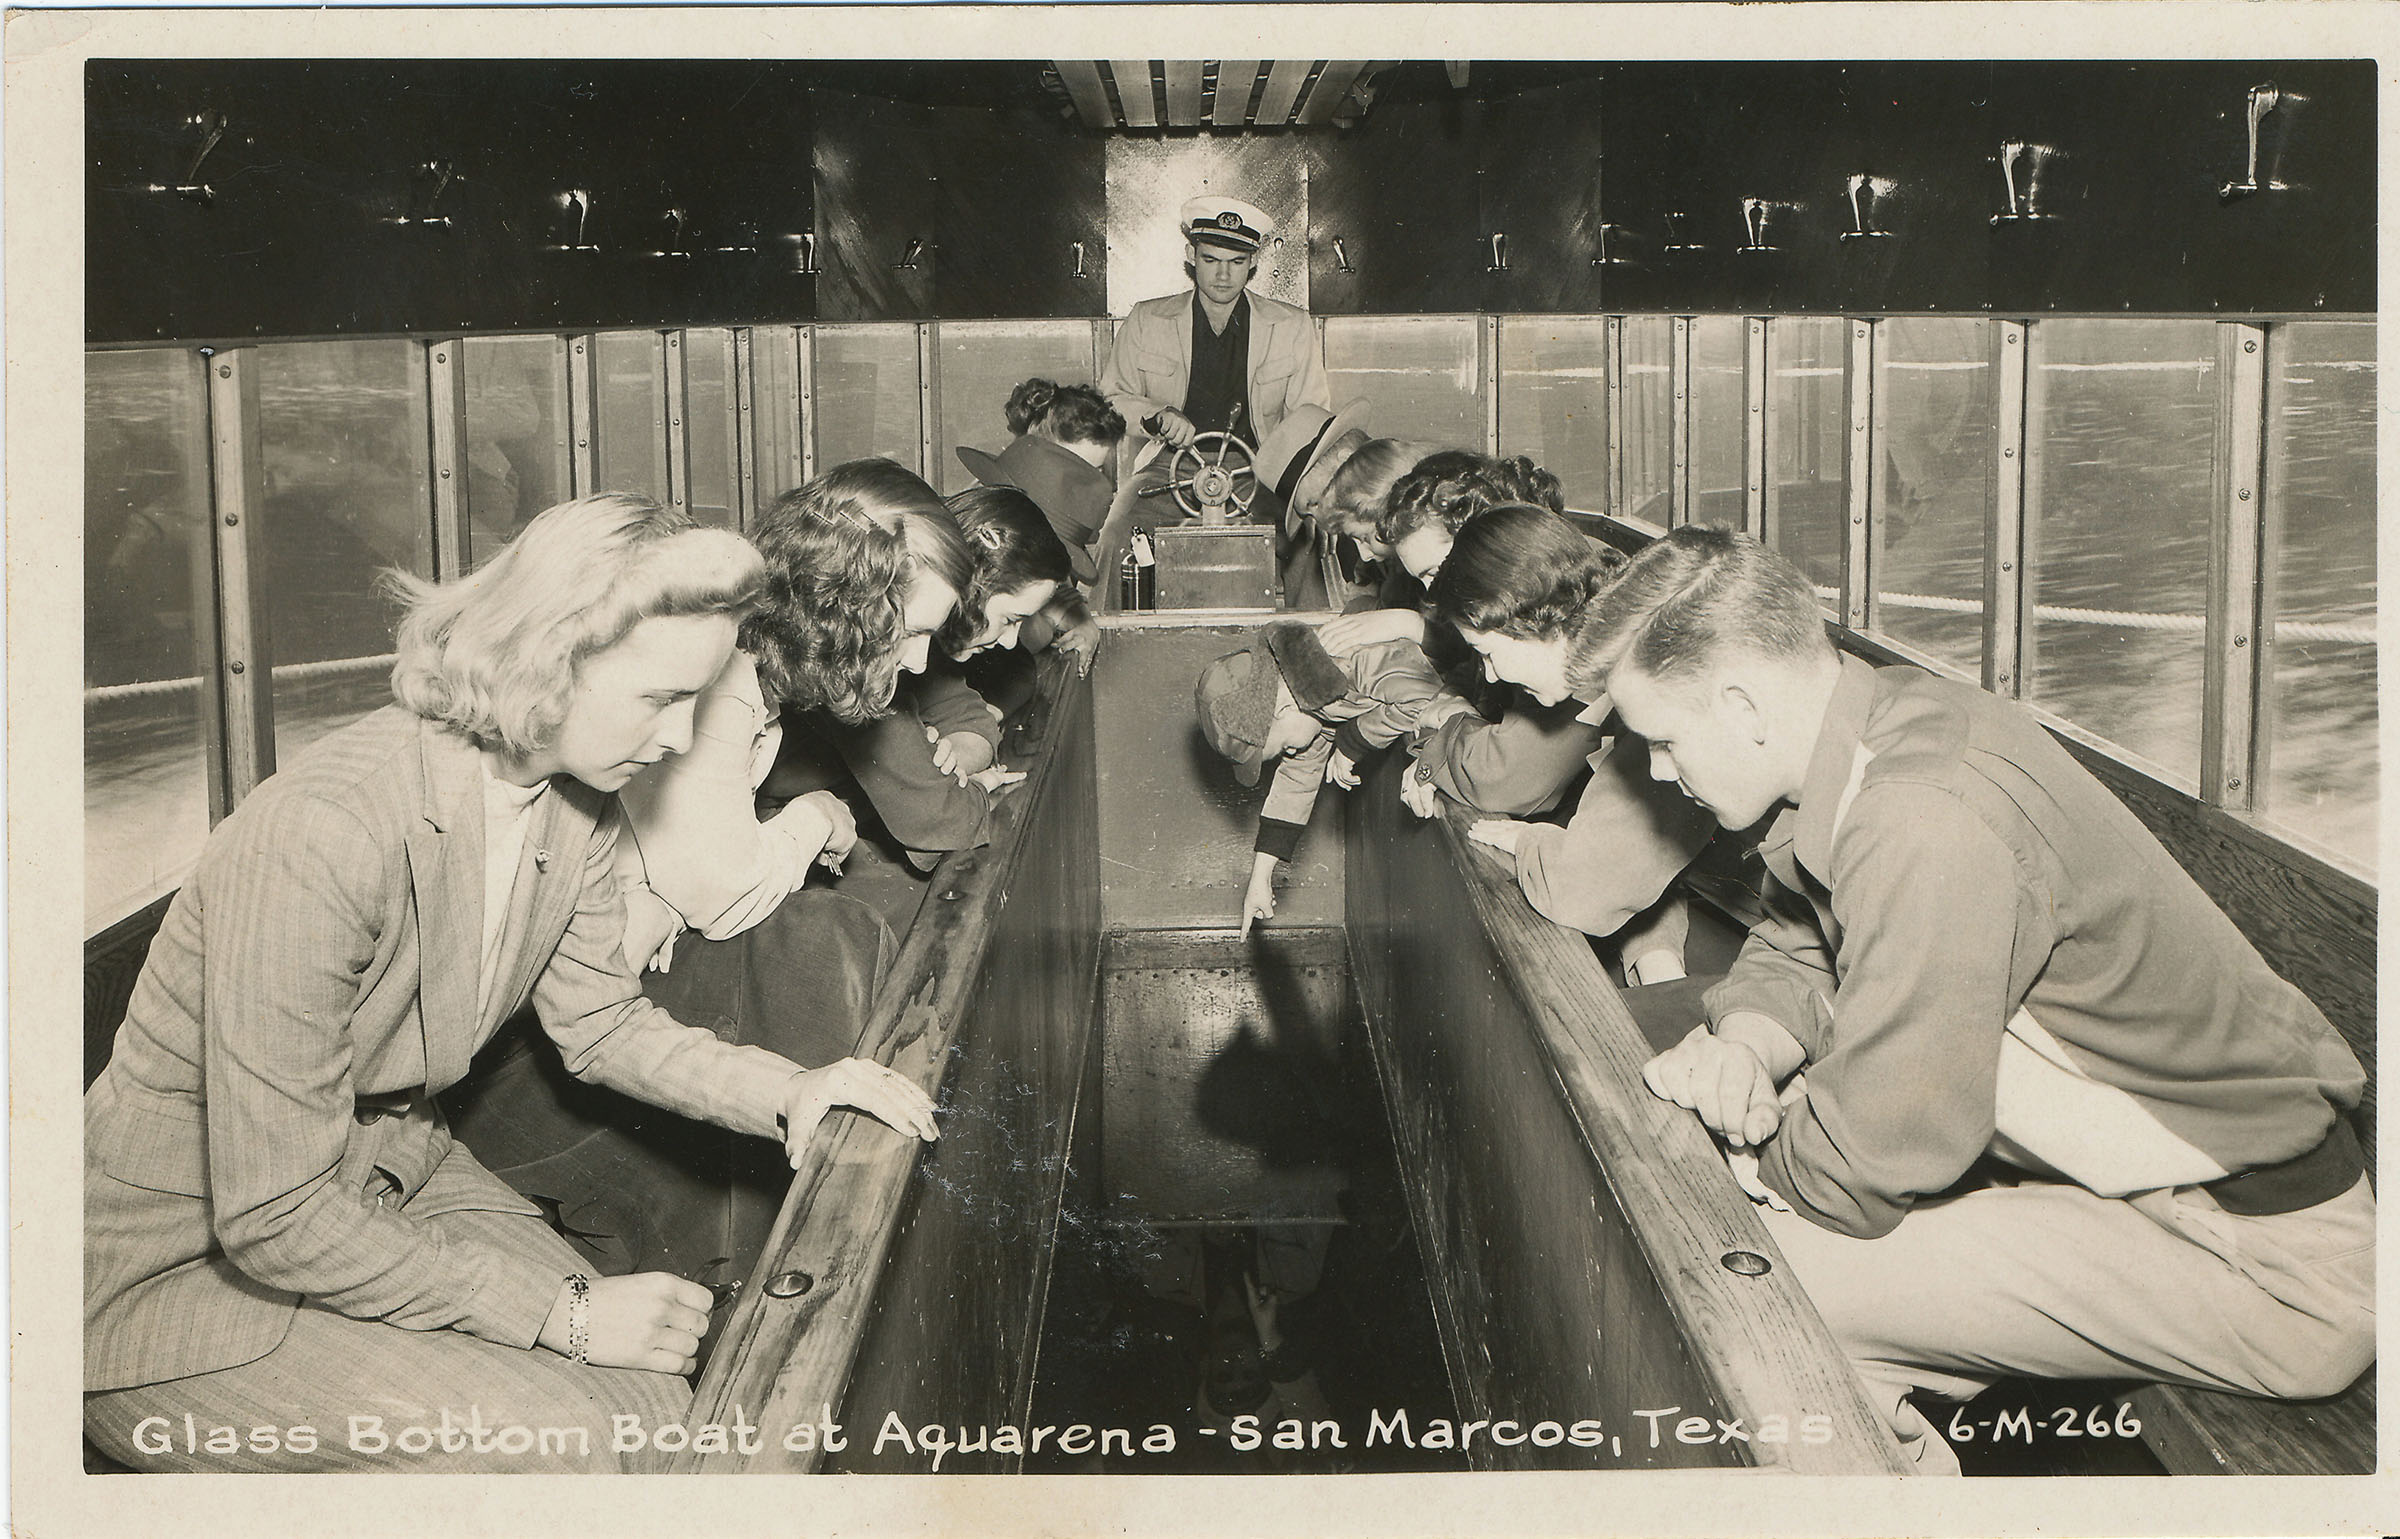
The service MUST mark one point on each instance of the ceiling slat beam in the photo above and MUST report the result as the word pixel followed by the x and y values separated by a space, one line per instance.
pixel 1082 80
pixel 1284 81
pixel 1331 87
pixel 1134 93
pixel 1183 93
pixel 1236 78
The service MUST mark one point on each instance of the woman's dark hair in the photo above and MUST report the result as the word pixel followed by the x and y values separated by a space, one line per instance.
pixel 839 566
pixel 1522 571
pixel 1453 486
pixel 1071 414
pixel 1014 547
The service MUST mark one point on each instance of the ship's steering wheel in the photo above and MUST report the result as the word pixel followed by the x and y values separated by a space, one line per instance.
pixel 1211 474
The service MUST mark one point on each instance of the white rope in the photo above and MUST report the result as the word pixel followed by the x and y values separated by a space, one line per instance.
pixel 289 673
pixel 2128 619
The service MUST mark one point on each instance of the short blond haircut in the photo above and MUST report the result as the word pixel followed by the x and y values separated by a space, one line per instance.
pixel 494 654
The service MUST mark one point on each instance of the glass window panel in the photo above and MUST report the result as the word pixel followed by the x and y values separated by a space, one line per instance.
pixel 1717 426
pixel 1554 400
pixel 633 413
pixel 866 394
pixel 1933 386
pixel 2117 507
pixel 980 363
pixel 146 574
pixel 775 410
pixel 2319 729
pixel 343 433
pixel 517 435
pixel 708 403
pixel 1646 434
pixel 1805 442
pixel 1417 373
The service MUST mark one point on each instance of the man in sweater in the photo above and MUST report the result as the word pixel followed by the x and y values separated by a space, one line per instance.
pixel 2020 1098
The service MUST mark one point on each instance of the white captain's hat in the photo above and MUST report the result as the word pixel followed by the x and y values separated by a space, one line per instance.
pixel 1226 222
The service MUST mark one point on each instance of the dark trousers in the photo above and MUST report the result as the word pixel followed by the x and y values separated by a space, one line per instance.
pixel 635 1188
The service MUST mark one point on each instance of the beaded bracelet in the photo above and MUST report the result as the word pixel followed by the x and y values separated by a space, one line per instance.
pixel 579 1326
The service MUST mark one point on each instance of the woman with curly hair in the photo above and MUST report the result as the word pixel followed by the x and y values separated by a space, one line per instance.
pixel 922 761
pixel 1421 517
pixel 279 1227
pixel 1515 582
pixel 1065 444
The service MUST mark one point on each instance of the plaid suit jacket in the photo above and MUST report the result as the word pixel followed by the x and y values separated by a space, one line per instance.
pixel 266 1130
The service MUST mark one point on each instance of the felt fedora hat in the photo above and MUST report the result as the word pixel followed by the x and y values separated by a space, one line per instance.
pixel 1299 441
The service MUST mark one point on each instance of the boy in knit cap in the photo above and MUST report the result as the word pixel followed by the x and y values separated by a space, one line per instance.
pixel 1285 697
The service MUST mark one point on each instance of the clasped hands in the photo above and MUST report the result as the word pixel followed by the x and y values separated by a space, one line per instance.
pixel 1726 1079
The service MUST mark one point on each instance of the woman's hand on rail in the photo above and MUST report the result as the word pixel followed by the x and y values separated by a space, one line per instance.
pixel 1258 900
pixel 1370 626
pixel 1081 643
pixel 1420 796
pixel 884 1094
pixel 996 779
pixel 1726 1083
pixel 960 754
pixel 1500 834
pixel 648 1320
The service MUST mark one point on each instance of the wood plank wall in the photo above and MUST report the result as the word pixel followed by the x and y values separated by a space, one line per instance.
pixel 926 1272
pixel 1574 1227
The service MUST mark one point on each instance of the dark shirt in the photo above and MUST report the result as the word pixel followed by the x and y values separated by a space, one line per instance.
pixel 1220 372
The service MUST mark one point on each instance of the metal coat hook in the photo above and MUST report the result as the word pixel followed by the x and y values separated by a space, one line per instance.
pixel 673 250
pixel 1756 212
pixel 1676 239
pixel 2263 100
pixel 1603 259
pixel 1341 256
pixel 581 202
pixel 908 256
pixel 1865 192
pixel 211 128
pixel 804 252
pixel 747 234
pixel 1079 272
pixel 1499 253
pixel 2021 203
pixel 424 207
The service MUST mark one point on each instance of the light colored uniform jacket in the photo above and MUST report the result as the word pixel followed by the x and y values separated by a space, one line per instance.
pixel 1151 364
pixel 266 1129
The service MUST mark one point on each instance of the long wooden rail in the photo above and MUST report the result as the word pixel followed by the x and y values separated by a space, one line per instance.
pixel 1590 1256
pixel 907 1278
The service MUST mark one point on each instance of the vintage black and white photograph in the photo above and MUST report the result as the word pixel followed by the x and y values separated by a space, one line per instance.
pixel 849 752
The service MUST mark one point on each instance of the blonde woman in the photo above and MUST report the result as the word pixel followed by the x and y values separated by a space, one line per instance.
pixel 280 1231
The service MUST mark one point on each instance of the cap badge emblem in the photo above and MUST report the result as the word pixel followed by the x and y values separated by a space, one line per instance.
pixel 1229 220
